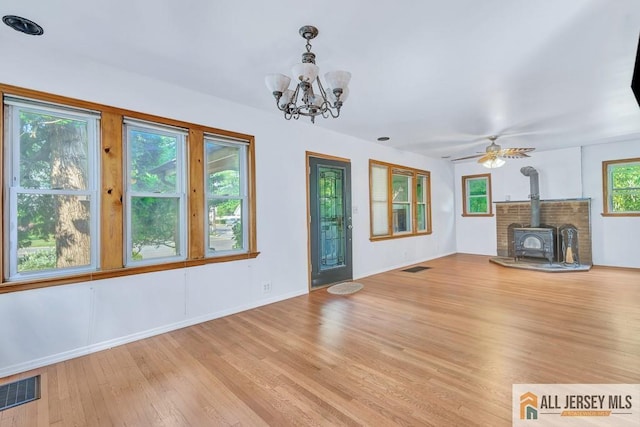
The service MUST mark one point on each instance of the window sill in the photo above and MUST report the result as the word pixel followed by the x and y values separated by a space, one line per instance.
pixel 399 236
pixel 477 215
pixel 22 285
pixel 628 214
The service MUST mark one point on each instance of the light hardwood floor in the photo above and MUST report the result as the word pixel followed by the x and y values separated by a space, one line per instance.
pixel 441 347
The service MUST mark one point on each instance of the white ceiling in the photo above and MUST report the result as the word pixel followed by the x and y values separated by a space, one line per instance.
pixel 435 76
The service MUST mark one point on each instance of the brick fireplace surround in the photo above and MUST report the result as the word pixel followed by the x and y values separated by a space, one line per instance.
pixel 552 212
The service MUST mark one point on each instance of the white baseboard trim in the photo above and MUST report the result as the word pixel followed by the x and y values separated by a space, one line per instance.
pixel 104 345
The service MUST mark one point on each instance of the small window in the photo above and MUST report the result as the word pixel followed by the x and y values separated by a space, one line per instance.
pixel 621 187
pixel 52 194
pixel 155 206
pixel 227 196
pixel 476 195
pixel 399 201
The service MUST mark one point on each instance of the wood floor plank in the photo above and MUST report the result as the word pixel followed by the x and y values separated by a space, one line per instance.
pixel 408 349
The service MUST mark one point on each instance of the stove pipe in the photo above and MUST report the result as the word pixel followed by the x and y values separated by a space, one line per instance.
pixel 535 194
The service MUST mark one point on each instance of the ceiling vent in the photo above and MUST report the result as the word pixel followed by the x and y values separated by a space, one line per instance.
pixel 23 25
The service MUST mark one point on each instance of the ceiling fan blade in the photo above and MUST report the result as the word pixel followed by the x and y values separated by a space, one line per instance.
pixel 489 156
pixel 514 156
pixel 519 150
pixel 468 157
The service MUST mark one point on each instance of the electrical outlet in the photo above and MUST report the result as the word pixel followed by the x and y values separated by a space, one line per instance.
pixel 266 287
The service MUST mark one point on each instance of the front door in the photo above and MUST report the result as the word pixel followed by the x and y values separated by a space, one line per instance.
pixel 330 220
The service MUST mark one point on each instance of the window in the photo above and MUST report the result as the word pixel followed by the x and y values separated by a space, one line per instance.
pixel 399 200
pixel 476 195
pixel 92 191
pixel 52 196
pixel 155 206
pixel 227 197
pixel 621 185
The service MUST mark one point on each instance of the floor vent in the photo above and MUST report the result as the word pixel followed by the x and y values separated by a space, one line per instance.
pixel 19 392
pixel 416 269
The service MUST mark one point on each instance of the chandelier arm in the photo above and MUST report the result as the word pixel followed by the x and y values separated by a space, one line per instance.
pixel 336 115
pixel 322 91
pixel 283 108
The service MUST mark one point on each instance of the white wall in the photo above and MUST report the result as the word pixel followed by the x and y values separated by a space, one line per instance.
pixel 560 177
pixel 51 324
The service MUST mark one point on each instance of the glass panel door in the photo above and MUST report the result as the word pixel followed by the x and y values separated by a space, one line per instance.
pixel 330 209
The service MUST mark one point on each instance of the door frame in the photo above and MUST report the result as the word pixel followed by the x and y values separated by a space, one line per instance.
pixel 310 154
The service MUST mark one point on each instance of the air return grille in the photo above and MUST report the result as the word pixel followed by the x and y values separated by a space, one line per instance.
pixel 19 392
pixel 416 269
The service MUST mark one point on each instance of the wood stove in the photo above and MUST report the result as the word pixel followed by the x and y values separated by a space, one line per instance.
pixel 538 242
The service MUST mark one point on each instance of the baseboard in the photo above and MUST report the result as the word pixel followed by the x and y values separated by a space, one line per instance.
pixel 104 345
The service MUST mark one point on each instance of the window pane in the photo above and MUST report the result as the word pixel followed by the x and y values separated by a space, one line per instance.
pixel 380 218
pixel 626 200
pixel 625 175
pixel 422 219
pixel 155 231
pixel 401 186
pixel 225 224
pixel 478 205
pixel 53 152
pixel 420 189
pixel 53 231
pixel 477 187
pixel 223 169
pixel 152 161
pixel 401 218
pixel 379 183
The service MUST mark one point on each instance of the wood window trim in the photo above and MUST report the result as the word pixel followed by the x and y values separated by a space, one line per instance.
pixel 465 178
pixel 111 187
pixel 605 188
pixel 400 170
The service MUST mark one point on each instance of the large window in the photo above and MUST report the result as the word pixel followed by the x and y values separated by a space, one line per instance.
pixel 155 193
pixel 621 186
pixel 92 191
pixel 52 197
pixel 476 195
pixel 399 200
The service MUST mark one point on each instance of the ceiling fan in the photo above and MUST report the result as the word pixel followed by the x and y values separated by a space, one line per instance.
pixel 494 155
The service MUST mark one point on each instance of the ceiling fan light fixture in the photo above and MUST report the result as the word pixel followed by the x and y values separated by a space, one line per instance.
pixel 494 163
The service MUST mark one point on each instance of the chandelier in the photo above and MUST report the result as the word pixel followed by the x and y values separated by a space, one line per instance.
pixel 303 100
